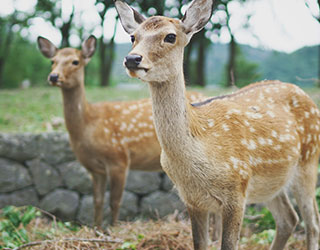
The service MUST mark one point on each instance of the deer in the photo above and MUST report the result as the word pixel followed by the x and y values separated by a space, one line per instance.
pixel 252 146
pixel 108 138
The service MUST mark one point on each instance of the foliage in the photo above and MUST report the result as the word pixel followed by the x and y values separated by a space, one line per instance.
pixel 13 222
pixel 245 73
pixel 263 238
pixel 265 222
pixel 25 63
pixel 299 67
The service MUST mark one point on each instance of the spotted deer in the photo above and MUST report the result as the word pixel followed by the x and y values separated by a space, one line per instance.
pixel 108 138
pixel 252 146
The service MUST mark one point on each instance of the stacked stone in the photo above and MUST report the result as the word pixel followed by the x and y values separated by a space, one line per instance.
pixel 41 170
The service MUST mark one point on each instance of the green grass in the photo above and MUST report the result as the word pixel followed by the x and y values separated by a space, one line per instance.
pixel 31 110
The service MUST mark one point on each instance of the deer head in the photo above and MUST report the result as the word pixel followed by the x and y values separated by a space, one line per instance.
pixel 158 42
pixel 67 63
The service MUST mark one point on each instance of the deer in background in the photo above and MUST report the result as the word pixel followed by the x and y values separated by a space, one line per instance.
pixel 251 146
pixel 108 138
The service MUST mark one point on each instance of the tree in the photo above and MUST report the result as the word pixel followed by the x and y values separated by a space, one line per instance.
pixel 17 20
pixel 106 49
pixel 52 11
pixel 317 17
pixel 245 72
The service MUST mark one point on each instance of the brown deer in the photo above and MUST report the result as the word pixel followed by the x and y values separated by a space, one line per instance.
pixel 251 146
pixel 108 138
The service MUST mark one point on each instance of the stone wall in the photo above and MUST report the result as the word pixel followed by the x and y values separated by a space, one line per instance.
pixel 41 170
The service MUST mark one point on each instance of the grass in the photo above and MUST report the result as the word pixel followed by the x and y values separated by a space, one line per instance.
pixel 35 109
pixel 44 231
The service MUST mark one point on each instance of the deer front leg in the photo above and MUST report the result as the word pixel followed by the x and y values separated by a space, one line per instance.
pixel 117 182
pixel 231 221
pixel 199 224
pixel 99 188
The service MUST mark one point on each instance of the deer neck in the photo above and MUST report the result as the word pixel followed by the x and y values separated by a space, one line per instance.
pixel 171 114
pixel 75 110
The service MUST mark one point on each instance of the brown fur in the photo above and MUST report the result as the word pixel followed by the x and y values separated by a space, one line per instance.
pixel 247 147
pixel 108 138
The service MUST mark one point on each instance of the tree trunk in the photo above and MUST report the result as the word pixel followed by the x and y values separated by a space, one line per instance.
pixel 1 72
pixel 107 58
pixel 5 53
pixel 65 30
pixel 318 80
pixel 200 79
pixel 231 67
pixel 187 63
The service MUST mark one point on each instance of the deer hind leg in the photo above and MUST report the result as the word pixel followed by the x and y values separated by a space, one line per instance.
pixel 286 219
pixel 199 223
pixel 99 188
pixel 217 226
pixel 118 177
pixel 304 192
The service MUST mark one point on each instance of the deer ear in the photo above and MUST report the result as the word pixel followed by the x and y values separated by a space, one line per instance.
pixel 46 47
pixel 197 16
pixel 129 17
pixel 89 47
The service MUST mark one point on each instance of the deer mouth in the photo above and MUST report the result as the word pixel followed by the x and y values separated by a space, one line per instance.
pixel 57 84
pixel 137 69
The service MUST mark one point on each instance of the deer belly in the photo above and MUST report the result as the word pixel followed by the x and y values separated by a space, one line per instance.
pixel 257 191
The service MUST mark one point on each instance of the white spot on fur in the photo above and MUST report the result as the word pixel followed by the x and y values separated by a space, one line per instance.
pixel 270 99
pixel 234 111
pixel 252 130
pixel 123 126
pixel 295 102
pixel 235 162
pixel 225 127
pixel 261 141
pixel 125 112
pixel 286 108
pixel 278 147
pixel 271 114
pixel 210 123
pixel 254 115
pixel 274 134
pixel 133 107
pixel 251 145
pixel 107 131
pixel 117 106
pixel 269 141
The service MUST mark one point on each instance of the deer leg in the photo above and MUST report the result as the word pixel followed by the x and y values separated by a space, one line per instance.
pixel 99 188
pixel 117 183
pixel 199 225
pixel 304 192
pixel 231 224
pixel 286 219
pixel 217 226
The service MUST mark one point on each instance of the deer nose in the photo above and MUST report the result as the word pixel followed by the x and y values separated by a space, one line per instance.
pixel 53 77
pixel 132 61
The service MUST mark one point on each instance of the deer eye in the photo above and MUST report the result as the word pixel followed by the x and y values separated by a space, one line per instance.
pixel 170 38
pixel 75 62
pixel 132 38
